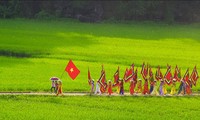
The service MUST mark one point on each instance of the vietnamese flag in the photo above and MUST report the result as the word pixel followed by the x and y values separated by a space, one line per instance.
pixel 72 70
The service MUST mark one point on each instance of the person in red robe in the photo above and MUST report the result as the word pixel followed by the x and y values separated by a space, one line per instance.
pixel 146 89
pixel 188 88
pixel 59 91
pixel 131 87
pixel 109 88
pixel 139 86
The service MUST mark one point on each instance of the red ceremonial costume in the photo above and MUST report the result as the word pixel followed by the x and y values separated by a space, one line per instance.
pixel 132 86
pixel 146 89
pixel 110 88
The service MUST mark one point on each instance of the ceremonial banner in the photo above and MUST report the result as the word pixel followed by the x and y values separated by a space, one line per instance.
pixel 129 75
pixel 158 74
pixel 116 78
pixel 186 77
pixel 144 71
pixel 194 76
pixel 168 76
pixel 102 82
pixel 177 74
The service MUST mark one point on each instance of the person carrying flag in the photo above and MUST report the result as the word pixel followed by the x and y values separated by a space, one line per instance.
pixel 173 89
pixel 121 84
pixel 132 86
pixel 155 92
pixel 97 88
pixel 146 89
pixel 139 86
pixel 109 87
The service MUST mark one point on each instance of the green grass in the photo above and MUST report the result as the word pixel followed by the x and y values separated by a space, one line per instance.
pixel 98 107
pixel 51 44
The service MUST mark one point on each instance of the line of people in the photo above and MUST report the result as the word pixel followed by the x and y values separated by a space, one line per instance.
pixel 135 88
pixel 150 85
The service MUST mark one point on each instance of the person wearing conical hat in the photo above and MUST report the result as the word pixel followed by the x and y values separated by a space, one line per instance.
pixel 59 91
pixel 173 89
pixel 139 86
pixel 109 87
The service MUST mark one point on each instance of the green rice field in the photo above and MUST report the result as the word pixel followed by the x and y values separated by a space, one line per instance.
pixel 98 107
pixel 32 51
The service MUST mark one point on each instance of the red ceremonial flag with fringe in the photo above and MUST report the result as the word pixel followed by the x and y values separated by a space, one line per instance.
pixel 186 77
pixel 194 76
pixel 158 74
pixel 129 75
pixel 177 74
pixel 168 76
pixel 116 78
pixel 102 82
pixel 72 70
pixel 144 71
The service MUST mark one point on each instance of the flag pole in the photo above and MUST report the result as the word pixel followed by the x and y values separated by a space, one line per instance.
pixel 62 74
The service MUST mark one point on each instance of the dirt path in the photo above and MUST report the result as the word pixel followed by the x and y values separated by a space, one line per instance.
pixel 82 94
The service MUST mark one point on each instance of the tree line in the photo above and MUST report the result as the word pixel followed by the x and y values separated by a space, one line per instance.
pixel 100 10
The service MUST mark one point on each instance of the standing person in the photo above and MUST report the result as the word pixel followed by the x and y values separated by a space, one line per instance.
pixel 109 87
pixel 131 88
pixel 173 89
pixel 188 87
pixel 146 89
pixel 53 86
pixel 59 91
pixel 155 92
pixel 182 88
pixel 97 88
pixel 121 84
pixel 92 87
pixel 139 86
pixel 151 87
pixel 164 89
pixel 56 85
pixel 161 92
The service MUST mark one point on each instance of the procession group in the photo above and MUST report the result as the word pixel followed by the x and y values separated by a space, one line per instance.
pixel 153 85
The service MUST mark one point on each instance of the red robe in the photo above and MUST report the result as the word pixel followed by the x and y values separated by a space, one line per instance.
pixel 132 87
pixel 146 89
pixel 188 89
pixel 110 89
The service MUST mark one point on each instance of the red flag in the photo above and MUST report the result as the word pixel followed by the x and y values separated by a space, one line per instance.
pixel 151 75
pixel 72 70
pixel 144 71
pixel 168 76
pixel 194 76
pixel 135 75
pixel 129 75
pixel 158 74
pixel 177 74
pixel 102 82
pixel 186 77
pixel 89 77
pixel 116 78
